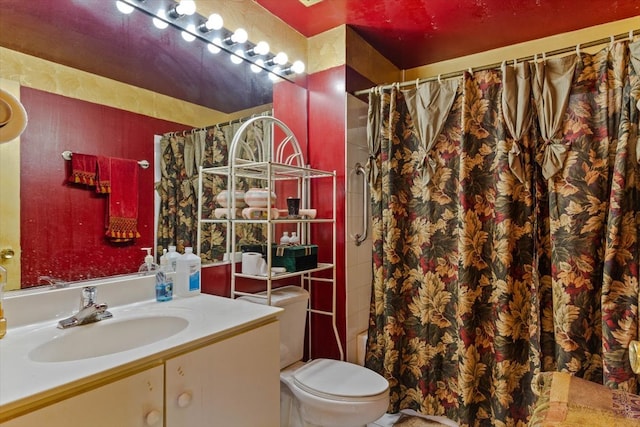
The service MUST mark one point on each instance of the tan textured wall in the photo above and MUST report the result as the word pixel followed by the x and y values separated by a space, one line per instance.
pixel 521 50
pixel 367 61
pixel 50 77
pixel 327 50
pixel 260 25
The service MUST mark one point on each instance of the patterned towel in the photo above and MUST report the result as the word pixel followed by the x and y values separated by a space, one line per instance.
pixel 566 400
pixel 122 216
pixel 83 169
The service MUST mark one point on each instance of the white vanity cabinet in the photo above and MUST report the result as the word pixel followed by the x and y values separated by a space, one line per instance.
pixel 134 401
pixel 234 382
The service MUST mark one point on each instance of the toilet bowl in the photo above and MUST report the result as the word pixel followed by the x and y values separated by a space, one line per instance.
pixel 332 393
pixel 320 392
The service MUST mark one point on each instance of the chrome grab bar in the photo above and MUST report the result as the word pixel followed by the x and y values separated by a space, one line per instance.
pixel 360 170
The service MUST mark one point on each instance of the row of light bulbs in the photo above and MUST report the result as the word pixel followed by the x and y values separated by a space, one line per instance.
pixel 212 30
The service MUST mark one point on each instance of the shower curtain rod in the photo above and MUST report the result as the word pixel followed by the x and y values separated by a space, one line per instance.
pixel 230 122
pixel 611 39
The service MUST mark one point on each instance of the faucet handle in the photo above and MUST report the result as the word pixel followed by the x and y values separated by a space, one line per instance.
pixel 88 296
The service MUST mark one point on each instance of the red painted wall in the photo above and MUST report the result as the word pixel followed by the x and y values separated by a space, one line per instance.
pixel 327 151
pixel 62 226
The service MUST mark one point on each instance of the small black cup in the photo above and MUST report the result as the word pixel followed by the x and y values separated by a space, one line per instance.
pixel 293 207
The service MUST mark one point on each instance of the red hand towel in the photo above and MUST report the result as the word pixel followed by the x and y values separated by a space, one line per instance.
pixel 122 219
pixel 83 169
pixel 103 174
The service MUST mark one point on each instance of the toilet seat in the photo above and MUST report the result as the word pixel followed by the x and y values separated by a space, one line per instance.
pixel 337 380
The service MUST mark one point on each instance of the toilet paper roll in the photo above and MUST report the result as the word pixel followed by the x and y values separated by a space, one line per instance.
pixel 252 263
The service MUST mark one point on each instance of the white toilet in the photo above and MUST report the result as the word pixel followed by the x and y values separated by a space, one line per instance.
pixel 321 392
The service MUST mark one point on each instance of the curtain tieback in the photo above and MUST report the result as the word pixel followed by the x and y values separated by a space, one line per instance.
pixel 428 168
pixel 372 168
pixel 555 153
pixel 515 161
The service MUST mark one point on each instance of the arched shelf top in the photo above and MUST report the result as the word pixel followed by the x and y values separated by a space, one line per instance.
pixel 285 150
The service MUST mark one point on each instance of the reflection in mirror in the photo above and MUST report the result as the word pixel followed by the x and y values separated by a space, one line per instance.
pixel 62 229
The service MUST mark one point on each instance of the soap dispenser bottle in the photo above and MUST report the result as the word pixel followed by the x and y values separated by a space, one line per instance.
pixel 148 265
pixel 164 283
pixel 3 321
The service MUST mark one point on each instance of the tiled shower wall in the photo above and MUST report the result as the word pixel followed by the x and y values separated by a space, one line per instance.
pixel 358 262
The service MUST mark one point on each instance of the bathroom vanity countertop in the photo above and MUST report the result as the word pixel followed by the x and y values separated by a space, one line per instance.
pixel 24 381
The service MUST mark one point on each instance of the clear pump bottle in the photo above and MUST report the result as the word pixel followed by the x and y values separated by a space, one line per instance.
pixel 148 265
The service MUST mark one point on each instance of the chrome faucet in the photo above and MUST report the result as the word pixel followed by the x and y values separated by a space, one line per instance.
pixel 89 312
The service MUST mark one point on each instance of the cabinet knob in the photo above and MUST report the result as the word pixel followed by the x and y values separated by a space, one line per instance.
pixel 153 417
pixel 184 399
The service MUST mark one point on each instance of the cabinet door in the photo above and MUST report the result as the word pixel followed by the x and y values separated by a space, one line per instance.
pixel 234 382
pixel 135 401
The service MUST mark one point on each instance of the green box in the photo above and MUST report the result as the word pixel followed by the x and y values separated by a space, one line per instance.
pixel 292 258
pixel 295 258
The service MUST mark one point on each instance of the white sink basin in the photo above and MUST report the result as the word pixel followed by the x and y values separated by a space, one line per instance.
pixel 107 337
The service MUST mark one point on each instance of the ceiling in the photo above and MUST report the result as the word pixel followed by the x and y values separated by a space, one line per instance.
pixel 411 33
pixel 91 35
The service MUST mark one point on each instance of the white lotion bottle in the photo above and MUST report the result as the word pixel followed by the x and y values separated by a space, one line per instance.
pixel 284 240
pixel 187 280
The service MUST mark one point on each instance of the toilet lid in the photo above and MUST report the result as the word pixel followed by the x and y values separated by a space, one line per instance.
pixel 337 379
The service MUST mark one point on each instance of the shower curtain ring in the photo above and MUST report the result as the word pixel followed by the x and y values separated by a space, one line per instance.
pixel 440 78
pixel 417 82
pixel 578 49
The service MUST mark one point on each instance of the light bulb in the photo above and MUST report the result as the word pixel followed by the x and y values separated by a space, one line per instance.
pixel 186 7
pixel 214 22
pixel 273 74
pixel 237 56
pixel 257 66
pixel 262 48
pixel 239 36
pixel 188 34
pixel 159 23
pixel 124 7
pixel 214 46
pixel 298 67
pixel 281 58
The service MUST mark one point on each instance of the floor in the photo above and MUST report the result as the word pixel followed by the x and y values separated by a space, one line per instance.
pixel 387 420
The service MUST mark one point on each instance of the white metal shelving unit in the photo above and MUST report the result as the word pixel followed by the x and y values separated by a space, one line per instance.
pixel 273 164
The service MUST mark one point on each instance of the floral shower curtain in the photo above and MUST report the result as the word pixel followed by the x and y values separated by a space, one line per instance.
pixel 500 264
pixel 181 155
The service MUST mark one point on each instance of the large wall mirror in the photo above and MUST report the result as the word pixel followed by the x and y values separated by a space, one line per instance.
pixel 62 226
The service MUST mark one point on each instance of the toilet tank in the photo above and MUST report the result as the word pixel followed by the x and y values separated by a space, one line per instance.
pixel 294 300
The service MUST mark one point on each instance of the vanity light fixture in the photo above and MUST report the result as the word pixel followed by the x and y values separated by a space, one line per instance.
pixel 184 8
pixel 187 34
pixel 124 7
pixel 160 21
pixel 214 46
pixel 182 15
pixel 262 48
pixel 257 66
pixel 237 56
pixel 274 74
pixel 297 67
pixel 239 36
pixel 280 59
pixel 213 23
